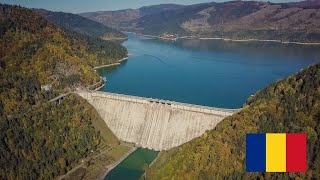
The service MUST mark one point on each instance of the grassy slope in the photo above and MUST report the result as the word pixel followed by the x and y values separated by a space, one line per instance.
pixel 99 124
pixel 290 105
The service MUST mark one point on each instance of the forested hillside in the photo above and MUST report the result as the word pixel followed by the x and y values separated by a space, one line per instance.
pixel 38 61
pixel 291 105
pixel 33 47
pixel 46 141
pixel 80 24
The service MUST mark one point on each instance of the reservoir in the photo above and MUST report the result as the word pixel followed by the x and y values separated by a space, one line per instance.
pixel 213 73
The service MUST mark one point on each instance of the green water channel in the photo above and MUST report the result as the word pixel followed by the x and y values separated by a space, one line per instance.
pixel 132 167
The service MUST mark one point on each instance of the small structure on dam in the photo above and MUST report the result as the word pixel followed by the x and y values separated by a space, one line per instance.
pixel 152 123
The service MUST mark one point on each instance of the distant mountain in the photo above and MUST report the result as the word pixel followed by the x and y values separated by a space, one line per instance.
pixel 120 18
pixel 296 21
pixel 74 22
pixel 291 105
pixel 147 10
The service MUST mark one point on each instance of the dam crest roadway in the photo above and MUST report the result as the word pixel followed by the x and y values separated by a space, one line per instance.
pixel 153 123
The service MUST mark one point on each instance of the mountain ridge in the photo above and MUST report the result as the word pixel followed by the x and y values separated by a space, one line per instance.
pixel 74 22
pixel 295 21
pixel 127 15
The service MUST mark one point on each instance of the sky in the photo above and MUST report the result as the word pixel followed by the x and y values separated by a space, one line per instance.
pixel 78 6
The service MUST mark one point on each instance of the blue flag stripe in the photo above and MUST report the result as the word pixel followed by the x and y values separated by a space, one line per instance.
pixel 255 152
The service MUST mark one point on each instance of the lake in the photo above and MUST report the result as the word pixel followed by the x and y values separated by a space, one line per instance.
pixel 212 73
pixel 132 167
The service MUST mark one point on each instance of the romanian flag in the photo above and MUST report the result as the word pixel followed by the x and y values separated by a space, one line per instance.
pixel 276 152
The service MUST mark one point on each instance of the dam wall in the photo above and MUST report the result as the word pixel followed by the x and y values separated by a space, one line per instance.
pixel 153 123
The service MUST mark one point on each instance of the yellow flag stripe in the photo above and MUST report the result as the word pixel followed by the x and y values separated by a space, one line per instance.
pixel 276 152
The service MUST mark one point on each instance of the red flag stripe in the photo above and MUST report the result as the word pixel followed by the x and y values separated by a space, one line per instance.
pixel 296 154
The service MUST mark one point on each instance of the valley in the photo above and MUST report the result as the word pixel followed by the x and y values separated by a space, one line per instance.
pixel 164 91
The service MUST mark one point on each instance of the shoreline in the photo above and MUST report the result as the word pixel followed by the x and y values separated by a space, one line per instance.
pixel 96 89
pixel 113 64
pixel 229 39
pixel 115 164
pixel 114 39
pixel 109 65
pixel 145 172
pixel 262 40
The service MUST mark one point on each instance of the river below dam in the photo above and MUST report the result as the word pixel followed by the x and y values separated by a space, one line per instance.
pixel 132 167
pixel 212 73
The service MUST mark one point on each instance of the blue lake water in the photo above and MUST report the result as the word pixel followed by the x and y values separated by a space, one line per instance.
pixel 205 72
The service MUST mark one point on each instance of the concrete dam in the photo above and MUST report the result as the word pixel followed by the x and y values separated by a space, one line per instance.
pixel 152 123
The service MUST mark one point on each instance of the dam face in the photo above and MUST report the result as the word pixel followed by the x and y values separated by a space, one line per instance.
pixel 151 123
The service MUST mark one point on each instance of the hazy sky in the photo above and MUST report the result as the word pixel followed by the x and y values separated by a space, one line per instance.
pixel 77 6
